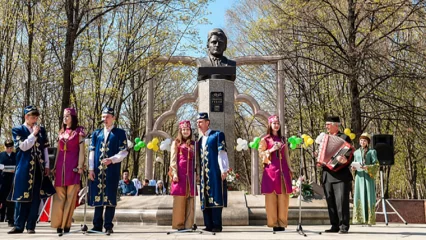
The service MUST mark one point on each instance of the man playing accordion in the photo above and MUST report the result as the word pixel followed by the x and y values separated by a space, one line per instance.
pixel 337 183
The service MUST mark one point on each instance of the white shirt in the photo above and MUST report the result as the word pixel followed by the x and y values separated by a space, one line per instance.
pixel 222 156
pixel 115 159
pixel 29 143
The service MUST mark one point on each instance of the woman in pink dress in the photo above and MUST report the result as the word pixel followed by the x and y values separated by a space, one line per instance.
pixel 68 168
pixel 182 172
pixel 276 179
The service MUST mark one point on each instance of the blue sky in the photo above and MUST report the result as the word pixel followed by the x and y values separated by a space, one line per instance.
pixel 217 9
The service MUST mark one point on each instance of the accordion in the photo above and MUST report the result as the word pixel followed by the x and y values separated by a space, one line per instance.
pixel 7 168
pixel 330 147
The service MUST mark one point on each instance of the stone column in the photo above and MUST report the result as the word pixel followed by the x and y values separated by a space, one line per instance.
pixel 219 120
pixel 280 97
pixel 149 125
pixel 255 190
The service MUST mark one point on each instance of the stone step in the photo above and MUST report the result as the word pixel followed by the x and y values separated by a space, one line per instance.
pixel 242 210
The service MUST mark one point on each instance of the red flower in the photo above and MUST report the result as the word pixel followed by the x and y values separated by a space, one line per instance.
pixel 230 169
pixel 237 175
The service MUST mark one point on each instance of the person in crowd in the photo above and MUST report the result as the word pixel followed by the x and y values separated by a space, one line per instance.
pixel 214 167
pixel 337 184
pixel 107 150
pixel 67 171
pixel 160 189
pixel 364 208
pixel 7 158
pixel 277 174
pixel 127 187
pixel 182 172
pixel 31 182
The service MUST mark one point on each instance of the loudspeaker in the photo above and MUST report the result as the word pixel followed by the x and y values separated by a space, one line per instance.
pixel 383 143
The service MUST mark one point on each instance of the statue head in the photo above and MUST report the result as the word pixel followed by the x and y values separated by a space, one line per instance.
pixel 216 42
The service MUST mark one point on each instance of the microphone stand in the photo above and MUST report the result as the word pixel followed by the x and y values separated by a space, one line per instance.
pixel 84 229
pixel 194 228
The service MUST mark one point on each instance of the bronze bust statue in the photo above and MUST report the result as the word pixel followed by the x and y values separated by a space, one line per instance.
pixel 216 44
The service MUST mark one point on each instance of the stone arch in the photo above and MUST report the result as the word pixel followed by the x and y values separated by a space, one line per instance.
pixel 186 98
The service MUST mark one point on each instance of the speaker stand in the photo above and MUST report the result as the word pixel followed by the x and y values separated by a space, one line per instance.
pixel 384 201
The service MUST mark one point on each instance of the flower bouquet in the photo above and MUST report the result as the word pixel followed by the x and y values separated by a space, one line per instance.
pixel 300 186
pixel 232 179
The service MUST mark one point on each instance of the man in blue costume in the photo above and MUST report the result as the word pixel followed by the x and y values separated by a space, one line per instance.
pixel 7 158
pixel 214 166
pixel 30 183
pixel 108 149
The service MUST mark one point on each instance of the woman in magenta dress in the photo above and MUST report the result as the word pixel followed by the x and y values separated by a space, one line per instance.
pixel 68 168
pixel 276 179
pixel 182 172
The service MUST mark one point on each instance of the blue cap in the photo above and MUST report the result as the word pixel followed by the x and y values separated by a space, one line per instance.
pixel 108 110
pixel 203 115
pixel 31 109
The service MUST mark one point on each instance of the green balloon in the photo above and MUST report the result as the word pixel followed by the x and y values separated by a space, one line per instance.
pixel 293 146
pixel 251 144
pixel 292 139
pixel 137 140
pixel 136 148
pixel 257 140
pixel 299 141
pixel 256 145
pixel 141 144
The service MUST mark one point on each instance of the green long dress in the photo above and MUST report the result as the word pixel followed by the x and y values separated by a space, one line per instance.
pixel 365 192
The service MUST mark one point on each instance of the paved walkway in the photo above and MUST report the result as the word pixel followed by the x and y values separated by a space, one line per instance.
pixel 133 232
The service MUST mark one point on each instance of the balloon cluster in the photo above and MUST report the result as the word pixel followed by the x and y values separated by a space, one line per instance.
pixel 307 140
pixel 139 144
pixel 165 145
pixel 294 141
pixel 153 145
pixel 348 132
pixel 241 144
pixel 255 143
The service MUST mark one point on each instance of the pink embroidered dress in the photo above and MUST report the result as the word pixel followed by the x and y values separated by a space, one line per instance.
pixel 274 168
pixel 69 158
pixel 182 167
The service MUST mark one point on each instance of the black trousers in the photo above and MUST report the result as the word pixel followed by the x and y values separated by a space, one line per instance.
pixel 7 212
pixel 337 196
pixel 98 219
pixel 213 218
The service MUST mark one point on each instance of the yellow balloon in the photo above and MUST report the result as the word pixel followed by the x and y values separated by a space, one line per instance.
pixel 310 141
pixel 352 136
pixel 155 148
pixel 347 131
pixel 150 145
pixel 304 136
pixel 155 141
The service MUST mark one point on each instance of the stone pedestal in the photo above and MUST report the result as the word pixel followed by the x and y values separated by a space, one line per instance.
pixel 221 114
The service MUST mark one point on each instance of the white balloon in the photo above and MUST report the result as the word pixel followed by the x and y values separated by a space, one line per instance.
pixel 168 141
pixel 129 144
pixel 239 140
pixel 245 147
pixel 163 146
pixel 239 148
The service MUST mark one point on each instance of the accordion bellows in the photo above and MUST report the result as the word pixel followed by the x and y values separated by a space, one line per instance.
pixel 330 147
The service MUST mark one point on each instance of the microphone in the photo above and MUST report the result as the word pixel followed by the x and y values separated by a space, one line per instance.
pixel 195 134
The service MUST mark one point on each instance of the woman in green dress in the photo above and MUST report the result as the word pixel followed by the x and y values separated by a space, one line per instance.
pixel 365 191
